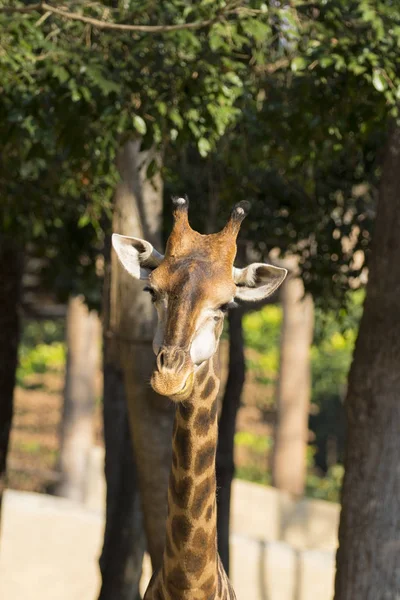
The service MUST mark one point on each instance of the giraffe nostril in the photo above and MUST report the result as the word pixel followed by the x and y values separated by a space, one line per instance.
pixel 161 360
pixel 171 359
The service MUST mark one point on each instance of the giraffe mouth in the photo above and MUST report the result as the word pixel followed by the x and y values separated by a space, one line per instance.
pixel 186 391
pixel 162 386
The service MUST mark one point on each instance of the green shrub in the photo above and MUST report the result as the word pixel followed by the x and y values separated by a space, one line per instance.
pixel 254 474
pixel 254 441
pixel 41 349
pixel 40 359
pixel 42 332
pixel 328 487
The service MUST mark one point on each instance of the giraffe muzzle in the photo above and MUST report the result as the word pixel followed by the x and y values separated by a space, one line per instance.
pixel 173 375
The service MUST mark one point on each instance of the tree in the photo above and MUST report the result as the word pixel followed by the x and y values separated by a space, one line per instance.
pixel 11 264
pixel 124 540
pixel 367 559
pixel 128 351
pixel 289 462
pixel 225 468
pixel 83 354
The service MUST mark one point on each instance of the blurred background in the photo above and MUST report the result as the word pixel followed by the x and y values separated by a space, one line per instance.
pixel 107 109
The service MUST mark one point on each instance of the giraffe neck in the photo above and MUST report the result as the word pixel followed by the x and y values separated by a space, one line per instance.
pixel 190 555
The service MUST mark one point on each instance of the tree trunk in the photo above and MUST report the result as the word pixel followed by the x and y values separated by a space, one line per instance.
pixel 227 428
pixel 124 539
pixel 293 397
pixel 368 559
pixel 138 207
pixel 83 355
pixel 10 288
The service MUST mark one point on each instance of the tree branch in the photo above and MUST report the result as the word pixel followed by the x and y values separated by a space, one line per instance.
pixel 44 7
pixel 270 68
pixel 21 9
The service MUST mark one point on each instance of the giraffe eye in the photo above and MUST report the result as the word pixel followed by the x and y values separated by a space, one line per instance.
pixel 225 307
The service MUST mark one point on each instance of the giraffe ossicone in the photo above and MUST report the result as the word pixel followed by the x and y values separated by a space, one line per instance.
pixel 192 286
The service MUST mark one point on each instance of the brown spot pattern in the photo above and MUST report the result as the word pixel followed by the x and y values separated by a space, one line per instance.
pixel 200 539
pixel 201 495
pixel 202 422
pixel 209 512
pixel 178 578
pixel 186 410
pixel 183 447
pixel 205 458
pixel 209 387
pixel 180 490
pixel 174 459
pixel 168 547
pixel 181 529
pixel 196 561
pixel 208 586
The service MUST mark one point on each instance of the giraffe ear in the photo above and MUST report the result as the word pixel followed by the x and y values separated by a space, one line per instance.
pixel 257 281
pixel 137 256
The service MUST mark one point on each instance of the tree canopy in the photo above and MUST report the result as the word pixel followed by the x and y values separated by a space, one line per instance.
pixel 73 92
pixel 306 148
pixel 289 104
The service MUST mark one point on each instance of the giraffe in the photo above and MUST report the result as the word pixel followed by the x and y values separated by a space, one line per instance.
pixel 192 287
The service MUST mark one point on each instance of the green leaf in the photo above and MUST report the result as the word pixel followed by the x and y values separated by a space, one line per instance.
pixel 176 118
pixel 298 64
pixel 84 220
pixel 326 61
pixel 204 147
pixel 139 124
pixel 162 108
pixel 378 80
pixel 257 29
pixel 61 73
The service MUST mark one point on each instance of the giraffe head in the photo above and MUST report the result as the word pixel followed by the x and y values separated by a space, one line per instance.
pixel 192 286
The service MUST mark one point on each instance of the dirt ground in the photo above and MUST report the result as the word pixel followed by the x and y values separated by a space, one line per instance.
pixel 34 442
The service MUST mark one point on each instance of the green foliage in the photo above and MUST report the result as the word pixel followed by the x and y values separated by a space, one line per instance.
pixel 71 94
pixel 253 473
pixel 42 349
pixel 257 448
pixel 42 332
pixel 305 149
pixel 328 487
pixel 262 332
pixel 262 328
pixel 258 443
pixel 40 359
pixel 331 354
pixel 290 104
pixel 334 340
pixel 30 447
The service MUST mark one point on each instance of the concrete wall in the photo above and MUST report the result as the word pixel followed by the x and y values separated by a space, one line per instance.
pixel 281 549
pixel 266 514
pixel 277 571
